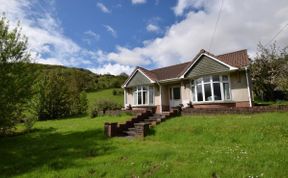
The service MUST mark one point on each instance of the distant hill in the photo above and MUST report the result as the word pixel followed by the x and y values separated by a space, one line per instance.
pixel 86 80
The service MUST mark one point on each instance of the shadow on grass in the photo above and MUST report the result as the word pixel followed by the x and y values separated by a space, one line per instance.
pixel 46 148
pixel 152 131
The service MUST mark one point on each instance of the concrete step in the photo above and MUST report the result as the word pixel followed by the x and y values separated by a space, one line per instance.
pixel 131 129
pixel 130 133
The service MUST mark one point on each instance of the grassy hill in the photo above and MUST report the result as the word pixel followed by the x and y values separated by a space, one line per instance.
pixel 106 94
pixel 192 146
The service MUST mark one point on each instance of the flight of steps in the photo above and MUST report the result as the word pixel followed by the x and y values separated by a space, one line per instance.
pixel 152 121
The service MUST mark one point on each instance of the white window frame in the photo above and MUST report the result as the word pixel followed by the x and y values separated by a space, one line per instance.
pixel 194 85
pixel 148 93
pixel 172 94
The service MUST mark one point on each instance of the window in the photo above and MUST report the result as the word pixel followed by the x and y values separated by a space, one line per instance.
pixel 211 88
pixel 176 93
pixel 143 95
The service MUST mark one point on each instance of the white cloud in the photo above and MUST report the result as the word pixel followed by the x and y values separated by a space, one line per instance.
pixel 111 30
pixel 51 61
pixel 138 1
pixel 240 26
pixel 183 5
pixel 91 36
pixel 46 39
pixel 152 28
pixel 103 8
pixel 114 69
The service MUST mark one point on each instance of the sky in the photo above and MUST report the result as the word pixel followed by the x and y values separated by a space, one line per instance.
pixel 115 36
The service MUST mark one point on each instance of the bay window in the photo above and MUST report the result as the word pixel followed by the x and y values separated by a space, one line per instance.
pixel 143 95
pixel 211 88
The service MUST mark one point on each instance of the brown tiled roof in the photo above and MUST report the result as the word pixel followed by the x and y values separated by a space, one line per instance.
pixel 237 59
pixel 149 73
pixel 170 72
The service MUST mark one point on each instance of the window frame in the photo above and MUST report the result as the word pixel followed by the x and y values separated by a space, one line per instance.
pixel 193 86
pixel 171 93
pixel 136 91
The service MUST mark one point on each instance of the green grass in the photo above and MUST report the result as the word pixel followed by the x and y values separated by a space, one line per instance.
pixel 104 94
pixel 229 145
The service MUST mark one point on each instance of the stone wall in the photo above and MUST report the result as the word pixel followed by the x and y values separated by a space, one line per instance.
pixel 235 110
pixel 119 112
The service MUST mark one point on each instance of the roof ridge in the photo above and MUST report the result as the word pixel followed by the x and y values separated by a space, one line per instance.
pixel 231 52
pixel 170 66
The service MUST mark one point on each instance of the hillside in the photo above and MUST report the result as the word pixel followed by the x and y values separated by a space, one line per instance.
pixel 86 80
pixel 105 94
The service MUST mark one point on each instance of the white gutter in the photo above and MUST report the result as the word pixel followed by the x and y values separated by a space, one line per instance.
pixel 160 90
pixel 248 87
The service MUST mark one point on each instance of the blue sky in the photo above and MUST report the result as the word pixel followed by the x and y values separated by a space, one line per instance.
pixel 114 36
pixel 128 20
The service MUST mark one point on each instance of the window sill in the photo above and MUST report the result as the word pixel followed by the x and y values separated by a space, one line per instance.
pixel 139 106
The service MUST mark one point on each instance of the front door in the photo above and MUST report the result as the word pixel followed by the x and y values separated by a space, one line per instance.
pixel 175 96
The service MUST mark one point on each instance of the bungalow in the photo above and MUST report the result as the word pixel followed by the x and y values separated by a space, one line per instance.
pixel 207 81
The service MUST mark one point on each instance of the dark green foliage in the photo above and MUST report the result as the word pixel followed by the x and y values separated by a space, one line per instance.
pixel 29 122
pixel 83 105
pixel 16 77
pixel 269 73
pixel 101 106
pixel 117 92
pixel 57 96
pixel 85 79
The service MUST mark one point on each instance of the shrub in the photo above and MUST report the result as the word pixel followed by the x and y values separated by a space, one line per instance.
pixel 103 106
pixel 117 92
pixel 57 97
pixel 29 122
pixel 114 92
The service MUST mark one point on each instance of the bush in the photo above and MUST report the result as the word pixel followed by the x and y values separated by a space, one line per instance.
pixel 117 92
pixel 29 122
pixel 57 97
pixel 114 92
pixel 103 106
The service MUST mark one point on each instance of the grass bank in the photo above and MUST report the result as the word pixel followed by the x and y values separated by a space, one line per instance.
pixel 228 145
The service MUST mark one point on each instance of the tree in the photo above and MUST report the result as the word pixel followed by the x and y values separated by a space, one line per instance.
pixel 15 75
pixel 58 96
pixel 269 72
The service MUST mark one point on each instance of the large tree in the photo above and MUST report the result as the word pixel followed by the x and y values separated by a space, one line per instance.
pixel 15 76
pixel 57 96
pixel 269 72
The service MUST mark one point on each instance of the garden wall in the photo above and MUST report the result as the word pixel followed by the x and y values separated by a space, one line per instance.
pixel 235 110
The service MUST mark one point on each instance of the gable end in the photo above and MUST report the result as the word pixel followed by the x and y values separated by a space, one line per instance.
pixel 205 66
pixel 138 79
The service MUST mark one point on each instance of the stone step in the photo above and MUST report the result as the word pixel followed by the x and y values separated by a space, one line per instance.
pixel 155 117
pixel 131 129
pixel 130 133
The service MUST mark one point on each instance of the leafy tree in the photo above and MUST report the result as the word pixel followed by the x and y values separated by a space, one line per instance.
pixel 83 106
pixel 58 96
pixel 269 72
pixel 15 76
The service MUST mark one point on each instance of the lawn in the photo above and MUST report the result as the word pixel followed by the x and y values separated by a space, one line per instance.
pixel 228 145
